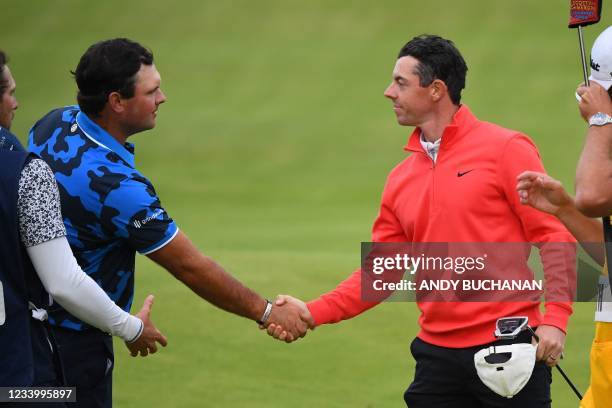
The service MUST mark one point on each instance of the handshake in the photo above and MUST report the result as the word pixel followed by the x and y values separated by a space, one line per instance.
pixel 289 319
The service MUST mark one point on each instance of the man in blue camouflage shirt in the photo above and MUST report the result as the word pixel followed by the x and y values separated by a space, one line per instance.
pixel 111 210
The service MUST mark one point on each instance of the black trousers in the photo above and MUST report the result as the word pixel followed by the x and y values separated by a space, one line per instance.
pixel 447 378
pixel 88 362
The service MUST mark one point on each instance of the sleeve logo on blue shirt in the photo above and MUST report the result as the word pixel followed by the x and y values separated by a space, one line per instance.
pixel 141 223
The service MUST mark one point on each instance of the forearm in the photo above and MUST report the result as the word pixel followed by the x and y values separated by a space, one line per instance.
pixel 559 262
pixel 78 293
pixel 211 282
pixel 557 314
pixel 587 231
pixel 594 173
pixel 342 303
pixel 208 279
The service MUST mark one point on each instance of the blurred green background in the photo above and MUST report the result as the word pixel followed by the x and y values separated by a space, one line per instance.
pixel 271 153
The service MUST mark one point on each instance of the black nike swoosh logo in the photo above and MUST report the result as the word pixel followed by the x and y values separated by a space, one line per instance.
pixel 460 174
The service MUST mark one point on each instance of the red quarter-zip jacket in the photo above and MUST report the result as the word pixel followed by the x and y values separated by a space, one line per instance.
pixel 425 201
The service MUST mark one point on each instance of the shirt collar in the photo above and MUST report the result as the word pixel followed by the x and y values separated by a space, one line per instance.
pixel 101 137
pixel 462 121
pixel 431 148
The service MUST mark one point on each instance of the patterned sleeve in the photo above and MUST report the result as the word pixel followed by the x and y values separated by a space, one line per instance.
pixel 135 213
pixel 38 203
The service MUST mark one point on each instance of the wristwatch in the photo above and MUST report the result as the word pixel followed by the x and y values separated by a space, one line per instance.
pixel 600 119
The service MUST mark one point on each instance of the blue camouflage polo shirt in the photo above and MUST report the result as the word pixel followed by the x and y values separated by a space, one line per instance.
pixel 110 210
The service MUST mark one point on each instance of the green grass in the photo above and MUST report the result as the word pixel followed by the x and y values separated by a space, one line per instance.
pixel 271 154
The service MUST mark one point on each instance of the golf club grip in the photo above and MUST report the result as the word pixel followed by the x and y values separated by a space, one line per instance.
pixel 583 57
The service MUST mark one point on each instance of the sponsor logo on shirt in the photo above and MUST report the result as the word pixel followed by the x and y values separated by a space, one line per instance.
pixel 141 223
pixel 463 173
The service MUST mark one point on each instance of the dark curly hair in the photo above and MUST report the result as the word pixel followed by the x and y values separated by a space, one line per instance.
pixel 108 66
pixel 438 59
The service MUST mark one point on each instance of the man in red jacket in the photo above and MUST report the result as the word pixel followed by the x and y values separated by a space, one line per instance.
pixel 458 185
